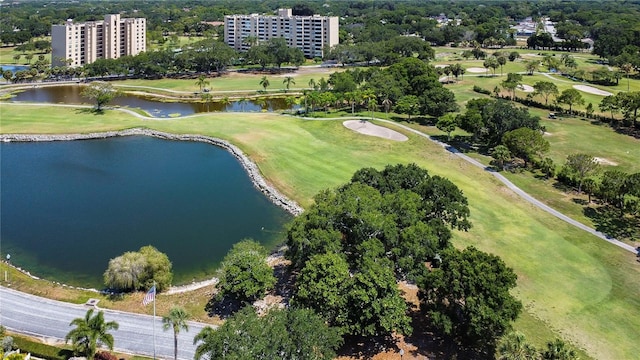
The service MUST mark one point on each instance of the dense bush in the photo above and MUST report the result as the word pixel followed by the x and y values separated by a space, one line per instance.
pixel 139 270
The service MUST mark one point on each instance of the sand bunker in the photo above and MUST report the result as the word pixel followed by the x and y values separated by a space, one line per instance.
pixel 367 128
pixel 603 161
pixel 526 88
pixel 592 90
pixel 441 65
pixel 476 70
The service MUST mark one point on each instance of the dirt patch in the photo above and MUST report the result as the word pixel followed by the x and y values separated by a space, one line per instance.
pixel 367 128
pixel 592 90
pixel 603 161
pixel 476 70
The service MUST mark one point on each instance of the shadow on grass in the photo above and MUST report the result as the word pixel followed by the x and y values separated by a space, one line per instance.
pixel 90 111
pixel 579 201
pixel 609 221
pixel 562 187
pixel 66 354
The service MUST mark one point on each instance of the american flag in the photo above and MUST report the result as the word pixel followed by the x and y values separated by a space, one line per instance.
pixel 150 296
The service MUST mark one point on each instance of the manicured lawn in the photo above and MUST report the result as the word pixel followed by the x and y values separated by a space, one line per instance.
pixel 582 288
pixel 237 82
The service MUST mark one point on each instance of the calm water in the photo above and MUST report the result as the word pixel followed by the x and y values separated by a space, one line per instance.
pixel 13 68
pixel 71 95
pixel 69 207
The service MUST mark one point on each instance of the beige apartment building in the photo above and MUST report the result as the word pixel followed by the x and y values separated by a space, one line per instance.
pixel 308 33
pixel 83 43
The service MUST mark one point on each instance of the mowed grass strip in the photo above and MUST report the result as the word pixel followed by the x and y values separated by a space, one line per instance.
pixel 583 288
pixel 233 81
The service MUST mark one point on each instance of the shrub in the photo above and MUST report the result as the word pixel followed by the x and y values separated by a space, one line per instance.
pixel 480 90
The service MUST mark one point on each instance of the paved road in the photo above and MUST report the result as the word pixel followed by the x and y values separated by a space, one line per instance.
pixel 49 319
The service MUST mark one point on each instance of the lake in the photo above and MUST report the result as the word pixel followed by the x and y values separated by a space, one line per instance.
pixel 69 206
pixel 13 68
pixel 70 94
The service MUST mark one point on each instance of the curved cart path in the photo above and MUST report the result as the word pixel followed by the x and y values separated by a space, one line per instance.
pixel 537 203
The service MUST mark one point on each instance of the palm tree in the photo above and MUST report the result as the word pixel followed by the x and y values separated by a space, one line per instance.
pixel 627 69
pixel 207 97
pixel 224 102
pixel 387 104
pixel 287 82
pixel 265 83
pixel 557 350
pixel 515 347
pixel 202 81
pixel 89 332
pixel 176 320
pixel 313 85
pixel 206 347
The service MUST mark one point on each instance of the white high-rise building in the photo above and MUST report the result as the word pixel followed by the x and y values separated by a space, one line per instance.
pixel 311 34
pixel 83 43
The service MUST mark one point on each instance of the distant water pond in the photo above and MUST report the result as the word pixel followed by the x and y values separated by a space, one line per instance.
pixel 13 68
pixel 70 94
pixel 69 207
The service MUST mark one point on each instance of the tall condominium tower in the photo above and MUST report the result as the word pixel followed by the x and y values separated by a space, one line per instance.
pixel 83 43
pixel 311 34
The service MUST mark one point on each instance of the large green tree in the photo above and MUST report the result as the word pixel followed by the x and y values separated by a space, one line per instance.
pixel 244 272
pixel 139 270
pixel 101 93
pixel 545 89
pixel 511 83
pixel 525 143
pixel 467 296
pixel 488 120
pixel 89 333
pixel 571 97
pixel 176 320
pixel 289 334
pixel 581 166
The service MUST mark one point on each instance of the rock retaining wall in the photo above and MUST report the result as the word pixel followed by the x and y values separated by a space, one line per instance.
pixel 250 167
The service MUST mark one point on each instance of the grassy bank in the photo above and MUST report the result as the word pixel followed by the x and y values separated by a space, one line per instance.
pixel 577 285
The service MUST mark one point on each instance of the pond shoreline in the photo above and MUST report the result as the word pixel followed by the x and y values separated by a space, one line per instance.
pixel 249 166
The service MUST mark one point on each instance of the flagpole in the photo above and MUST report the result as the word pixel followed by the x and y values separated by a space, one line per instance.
pixel 154 321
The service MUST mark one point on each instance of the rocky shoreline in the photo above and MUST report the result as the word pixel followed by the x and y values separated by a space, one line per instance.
pixel 250 167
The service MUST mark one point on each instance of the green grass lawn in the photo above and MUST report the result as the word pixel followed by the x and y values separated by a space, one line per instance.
pixel 236 82
pixel 580 287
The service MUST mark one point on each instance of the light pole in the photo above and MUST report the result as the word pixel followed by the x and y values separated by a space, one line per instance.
pixel 6 271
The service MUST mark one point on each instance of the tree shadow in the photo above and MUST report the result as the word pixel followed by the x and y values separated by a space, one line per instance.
pixel 609 221
pixel 224 307
pixel 366 347
pixel 562 187
pixel 285 281
pixel 93 111
pixel 115 296
pixel 66 354
pixel 433 344
pixel 579 201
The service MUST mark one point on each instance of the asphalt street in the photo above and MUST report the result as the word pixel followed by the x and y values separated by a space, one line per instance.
pixel 49 319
